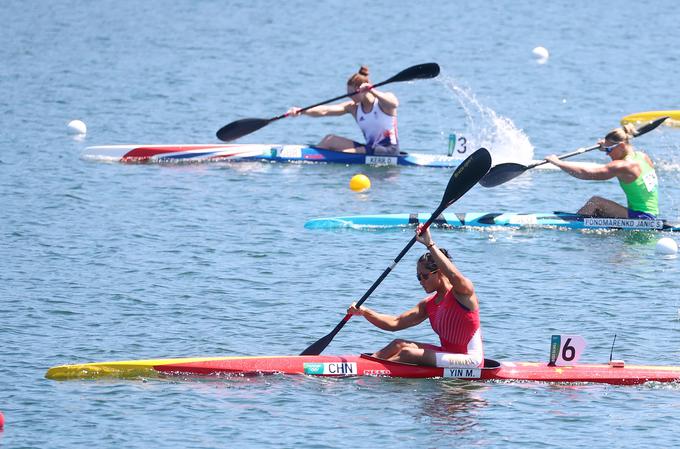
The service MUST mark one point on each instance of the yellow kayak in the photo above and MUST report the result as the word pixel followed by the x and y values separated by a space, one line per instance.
pixel 645 117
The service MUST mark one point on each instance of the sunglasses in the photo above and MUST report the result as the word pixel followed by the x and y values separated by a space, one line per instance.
pixel 610 148
pixel 425 276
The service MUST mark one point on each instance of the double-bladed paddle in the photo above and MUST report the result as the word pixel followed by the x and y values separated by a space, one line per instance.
pixel 468 173
pixel 503 173
pixel 245 126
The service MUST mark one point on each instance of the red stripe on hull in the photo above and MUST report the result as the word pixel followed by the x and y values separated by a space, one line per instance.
pixel 141 153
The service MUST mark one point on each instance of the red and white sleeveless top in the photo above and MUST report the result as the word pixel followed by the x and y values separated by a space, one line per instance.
pixel 458 328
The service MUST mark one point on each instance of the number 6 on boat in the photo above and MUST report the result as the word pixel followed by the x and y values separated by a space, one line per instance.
pixel 565 350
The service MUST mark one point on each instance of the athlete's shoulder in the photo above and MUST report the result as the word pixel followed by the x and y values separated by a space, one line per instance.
pixel 350 107
pixel 646 158
pixel 428 300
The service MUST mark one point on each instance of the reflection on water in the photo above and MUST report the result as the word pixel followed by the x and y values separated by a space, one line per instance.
pixel 452 406
pixel 640 238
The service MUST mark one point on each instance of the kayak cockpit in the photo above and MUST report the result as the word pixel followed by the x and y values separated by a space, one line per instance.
pixel 489 364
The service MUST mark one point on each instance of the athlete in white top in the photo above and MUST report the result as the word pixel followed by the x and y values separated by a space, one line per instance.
pixel 375 112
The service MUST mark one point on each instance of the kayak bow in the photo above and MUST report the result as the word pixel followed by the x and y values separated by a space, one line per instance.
pixel 616 373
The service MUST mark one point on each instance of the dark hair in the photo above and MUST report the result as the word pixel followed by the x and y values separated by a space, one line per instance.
pixel 428 261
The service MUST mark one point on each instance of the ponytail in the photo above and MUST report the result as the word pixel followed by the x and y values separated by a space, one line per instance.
pixel 623 134
pixel 630 130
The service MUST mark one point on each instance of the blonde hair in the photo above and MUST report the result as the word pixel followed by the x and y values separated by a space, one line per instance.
pixel 359 78
pixel 622 134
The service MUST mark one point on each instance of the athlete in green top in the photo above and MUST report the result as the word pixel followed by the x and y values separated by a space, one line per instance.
pixel 634 171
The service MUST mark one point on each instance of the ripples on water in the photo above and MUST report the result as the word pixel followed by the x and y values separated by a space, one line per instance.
pixel 103 261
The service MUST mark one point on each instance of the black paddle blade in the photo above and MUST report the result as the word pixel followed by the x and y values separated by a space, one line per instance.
pixel 240 128
pixel 502 173
pixel 468 173
pixel 420 71
pixel 650 126
pixel 317 347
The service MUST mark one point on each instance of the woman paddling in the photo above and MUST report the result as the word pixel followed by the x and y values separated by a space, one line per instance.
pixel 452 308
pixel 634 170
pixel 374 111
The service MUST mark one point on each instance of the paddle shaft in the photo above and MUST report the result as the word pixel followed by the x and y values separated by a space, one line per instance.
pixel 565 156
pixel 398 258
pixel 378 281
pixel 340 97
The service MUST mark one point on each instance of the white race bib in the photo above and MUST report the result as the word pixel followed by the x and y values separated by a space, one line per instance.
pixel 566 349
pixel 650 181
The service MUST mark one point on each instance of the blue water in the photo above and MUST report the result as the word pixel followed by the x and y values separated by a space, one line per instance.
pixel 109 262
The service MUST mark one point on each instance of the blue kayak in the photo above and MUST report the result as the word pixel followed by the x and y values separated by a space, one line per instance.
pixel 490 219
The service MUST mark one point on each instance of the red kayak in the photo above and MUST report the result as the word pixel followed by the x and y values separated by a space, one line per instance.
pixel 616 373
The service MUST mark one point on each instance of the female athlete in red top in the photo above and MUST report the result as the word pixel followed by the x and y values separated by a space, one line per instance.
pixel 453 311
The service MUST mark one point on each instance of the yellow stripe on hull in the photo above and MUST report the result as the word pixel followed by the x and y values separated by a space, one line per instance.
pixel 646 117
pixel 123 369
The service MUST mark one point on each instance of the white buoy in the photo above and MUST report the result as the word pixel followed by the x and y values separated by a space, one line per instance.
pixel 77 127
pixel 541 54
pixel 666 246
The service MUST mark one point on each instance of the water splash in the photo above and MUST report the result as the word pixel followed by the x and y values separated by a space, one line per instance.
pixel 485 128
pixel 664 149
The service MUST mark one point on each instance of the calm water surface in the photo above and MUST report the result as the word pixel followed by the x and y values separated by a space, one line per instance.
pixel 103 261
